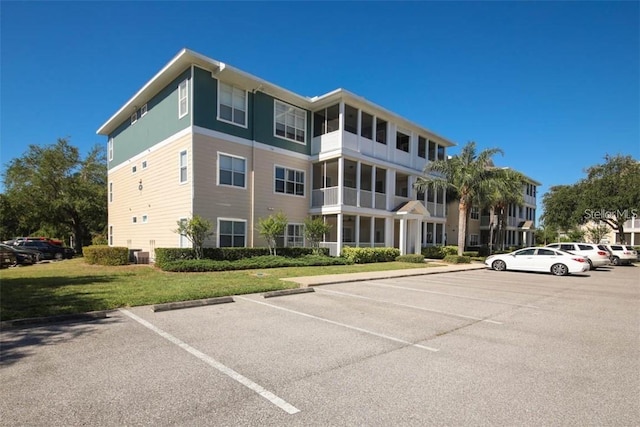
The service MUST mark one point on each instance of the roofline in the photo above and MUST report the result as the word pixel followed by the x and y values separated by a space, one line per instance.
pixel 531 180
pixel 186 57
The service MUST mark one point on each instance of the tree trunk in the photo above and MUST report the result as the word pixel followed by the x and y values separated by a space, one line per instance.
pixel 462 225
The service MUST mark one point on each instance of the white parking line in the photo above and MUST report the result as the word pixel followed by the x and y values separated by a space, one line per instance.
pixel 355 328
pixel 448 294
pixel 280 403
pixel 462 316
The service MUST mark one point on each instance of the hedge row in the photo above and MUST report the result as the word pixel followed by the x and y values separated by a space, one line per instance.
pixel 256 262
pixel 457 259
pixel 415 258
pixel 439 252
pixel 165 255
pixel 369 255
pixel 106 255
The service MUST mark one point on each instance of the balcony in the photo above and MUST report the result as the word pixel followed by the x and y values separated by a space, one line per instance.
pixel 329 197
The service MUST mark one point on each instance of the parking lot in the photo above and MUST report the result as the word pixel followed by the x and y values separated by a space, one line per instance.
pixel 465 348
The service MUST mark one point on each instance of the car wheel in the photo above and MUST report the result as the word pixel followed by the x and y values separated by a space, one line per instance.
pixel 615 260
pixel 591 267
pixel 559 269
pixel 58 256
pixel 499 265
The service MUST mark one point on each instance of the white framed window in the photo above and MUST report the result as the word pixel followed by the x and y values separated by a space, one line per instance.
pixel 111 235
pixel 183 241
pixel 295 235
pixel 183 99
pixel 145 219
pixel 110 149
pixel 232 233
pixel 289 122
pixel 475 213
pixel 474 240
pixel 134 220
pixel 144 164
pixel 231 170
pixel 143 110
pixel 134 117
pixel 183 167
pixel 134 169
pixel 289 181
pixel 232 104
pixel 110 192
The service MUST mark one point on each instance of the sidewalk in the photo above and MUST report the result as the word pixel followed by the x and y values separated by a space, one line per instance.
pixel 374 275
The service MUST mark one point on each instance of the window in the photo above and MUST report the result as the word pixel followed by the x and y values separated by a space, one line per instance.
pixel 440 152
pixel 295 236
pixel 145 219
pixel 232 233
pixel 143 110
pixel 290 122
pixel 134 220
pixel 183 167
pixel 134 117
pixel 134 169
pixel 422 147
pixel 110 192
pixel 350 119
pixel 432 150
pixel 367 126
pixel 232 104
pixel 183 241
pixel 110 148
pixel 475 213
pixel 546 252
pixel 231 170
pixel 326 120
pixel 183 99
pixel 144 164
pixel 474 240
pixel 111 235
pixel 402 141
pixel 289 181
pixel 381 131
pixel 525 252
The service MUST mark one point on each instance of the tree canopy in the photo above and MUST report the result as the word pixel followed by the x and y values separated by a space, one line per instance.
pixel 52 189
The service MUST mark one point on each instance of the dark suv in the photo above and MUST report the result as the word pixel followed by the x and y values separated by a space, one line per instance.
pixel 47 250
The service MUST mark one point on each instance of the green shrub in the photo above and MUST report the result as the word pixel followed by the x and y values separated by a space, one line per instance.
pixel 450 250
pixel 257 262
pixel 457 259
pixel 414 258
pixel 433 252
pixel 164 255
pixel 471 253
pixel 106 255
pixel 369 255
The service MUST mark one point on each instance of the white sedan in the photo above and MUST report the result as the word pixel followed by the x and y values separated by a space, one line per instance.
pixel 558 262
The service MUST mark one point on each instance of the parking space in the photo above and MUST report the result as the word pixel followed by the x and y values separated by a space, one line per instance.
pixel 473 347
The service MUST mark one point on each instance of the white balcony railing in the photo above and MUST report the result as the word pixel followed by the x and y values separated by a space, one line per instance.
pixel 366 199
pixel 350 196
pixel 324 196
pixel 381 201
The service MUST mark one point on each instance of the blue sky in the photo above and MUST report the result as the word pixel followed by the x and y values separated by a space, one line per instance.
pixel 556 85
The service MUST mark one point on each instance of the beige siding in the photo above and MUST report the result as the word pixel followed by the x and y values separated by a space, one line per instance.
pixel 214 201
pixel 162 198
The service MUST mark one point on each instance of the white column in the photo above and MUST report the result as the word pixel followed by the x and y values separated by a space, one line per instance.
pixel 358 169
pixel 418 239
pixel 391 189
pixel 372 233
pixel 339 234
pixel 358 231
pixel 403 236
pixel 388 232
pixel 340 180
pixel 443 233
pixel 373 187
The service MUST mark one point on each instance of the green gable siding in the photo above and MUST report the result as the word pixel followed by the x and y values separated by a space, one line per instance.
pixel 264 122
pixel 160 122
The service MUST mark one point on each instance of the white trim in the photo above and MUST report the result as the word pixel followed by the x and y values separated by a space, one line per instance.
pixel 232 220
pixel 186 104
pixel 143 111
pixel 156 147
pixel 246 106
pixel 134 117
pixel 180 166
pixel 286 168
pixel 110 148
pixel 275 102
pixel 220 153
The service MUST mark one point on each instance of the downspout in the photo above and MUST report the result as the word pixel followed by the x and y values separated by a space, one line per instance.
pixel 253 172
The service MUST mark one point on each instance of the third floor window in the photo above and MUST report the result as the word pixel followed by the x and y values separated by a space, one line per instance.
pixel 232 104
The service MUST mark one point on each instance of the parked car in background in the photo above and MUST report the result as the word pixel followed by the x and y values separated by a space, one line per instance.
pixel 23 256
pixel 596 257
pixel 47 250
pixel 622 254
pixel 7 258
pixel 547 260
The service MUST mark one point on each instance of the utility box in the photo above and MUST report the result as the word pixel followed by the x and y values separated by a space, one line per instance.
pixel 141 257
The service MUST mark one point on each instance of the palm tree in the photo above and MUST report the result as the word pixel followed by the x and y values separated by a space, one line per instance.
pixel 469 174
pixel 501 192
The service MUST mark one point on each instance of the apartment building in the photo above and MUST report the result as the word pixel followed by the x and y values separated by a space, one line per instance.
pixel 204 138
pixel 482 224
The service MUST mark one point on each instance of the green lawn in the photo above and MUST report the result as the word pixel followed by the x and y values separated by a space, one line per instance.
pixel 71 286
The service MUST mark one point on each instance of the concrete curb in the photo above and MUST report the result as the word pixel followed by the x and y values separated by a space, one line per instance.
pixel 36 321
pixel 190 304
pixel 287 292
